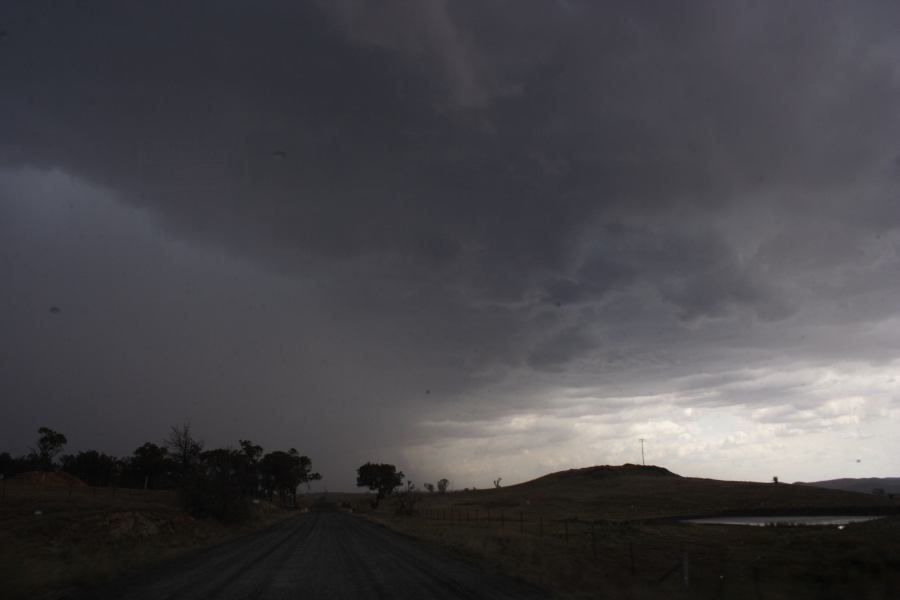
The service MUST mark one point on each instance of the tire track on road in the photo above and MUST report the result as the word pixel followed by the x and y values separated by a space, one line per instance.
pixel 323 556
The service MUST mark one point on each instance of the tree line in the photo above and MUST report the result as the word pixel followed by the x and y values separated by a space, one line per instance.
pixel 216 482
pixel 385 480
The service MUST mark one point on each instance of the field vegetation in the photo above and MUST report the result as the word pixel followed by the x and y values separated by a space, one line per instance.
pixel 59 537
pixel 618 529
pixel 78 520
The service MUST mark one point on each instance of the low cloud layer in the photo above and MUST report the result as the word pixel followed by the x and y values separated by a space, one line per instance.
pixel 478 240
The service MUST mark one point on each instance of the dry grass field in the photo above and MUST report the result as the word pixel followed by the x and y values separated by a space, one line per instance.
pixel 632 492
pixel 613 532
pixel 58 537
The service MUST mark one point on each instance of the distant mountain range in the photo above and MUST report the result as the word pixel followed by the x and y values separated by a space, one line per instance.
pixel 866 485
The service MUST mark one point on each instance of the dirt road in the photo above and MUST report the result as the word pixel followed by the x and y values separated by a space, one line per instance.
pixel 331 555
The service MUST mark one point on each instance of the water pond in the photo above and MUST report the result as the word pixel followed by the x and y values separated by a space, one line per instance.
pixel 783 520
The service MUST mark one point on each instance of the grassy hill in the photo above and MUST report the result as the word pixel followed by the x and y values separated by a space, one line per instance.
pixel 613 528
pixel 890 485
pixel 644 492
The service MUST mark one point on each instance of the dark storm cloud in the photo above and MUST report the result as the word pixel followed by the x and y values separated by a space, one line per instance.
pixel 288 136
pixel 500 198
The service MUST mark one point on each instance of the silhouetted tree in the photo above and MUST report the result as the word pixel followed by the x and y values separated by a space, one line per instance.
pixel 49 444
pixel 429 487
pixel 442 486
pixel 213 486
pixel 7 465
pixel 281 474
pixel 310 478
pixel 252 451
pixel 149 465
pixel 183 448
pixel 380 478
pixel 250 477
pixel 304 469
pixel 497 482
pixel 92 467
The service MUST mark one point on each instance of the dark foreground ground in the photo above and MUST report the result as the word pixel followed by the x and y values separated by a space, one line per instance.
pixel 317 555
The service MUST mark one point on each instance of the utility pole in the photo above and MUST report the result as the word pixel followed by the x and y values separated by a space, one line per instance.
pixel 642 451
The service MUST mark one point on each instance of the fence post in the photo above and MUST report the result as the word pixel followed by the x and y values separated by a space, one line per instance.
pixel 566 529
pixel 631 552
pixel 502 521
pixel 593 540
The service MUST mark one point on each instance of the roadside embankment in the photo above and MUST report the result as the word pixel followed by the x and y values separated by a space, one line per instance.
pixel 53 539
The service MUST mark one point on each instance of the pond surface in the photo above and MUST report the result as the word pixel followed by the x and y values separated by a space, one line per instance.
pixel 785 520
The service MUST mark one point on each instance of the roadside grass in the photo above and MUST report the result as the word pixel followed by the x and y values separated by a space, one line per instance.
pixel 860 561
pixel 636 548
pixel 51 541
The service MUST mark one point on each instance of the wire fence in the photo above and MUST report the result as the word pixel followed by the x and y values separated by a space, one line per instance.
pixel 587 538
pixel 669 554
pixel 566 529
pixel 645 556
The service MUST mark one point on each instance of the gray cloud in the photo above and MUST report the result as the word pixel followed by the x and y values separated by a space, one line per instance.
pixel 493 203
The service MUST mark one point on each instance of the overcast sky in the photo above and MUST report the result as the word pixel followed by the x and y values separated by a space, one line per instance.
pixel 473 239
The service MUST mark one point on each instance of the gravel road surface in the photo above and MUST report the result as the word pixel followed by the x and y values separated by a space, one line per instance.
pixel 318 555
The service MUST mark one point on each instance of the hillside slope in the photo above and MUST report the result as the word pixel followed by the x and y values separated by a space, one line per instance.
pixel 864 485
pixel 615 529
pixel 56 537
pixel 642 492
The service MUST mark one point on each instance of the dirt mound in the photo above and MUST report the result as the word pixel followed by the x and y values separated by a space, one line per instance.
pixel 629 469
pixel 58 479
pixel 604 471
